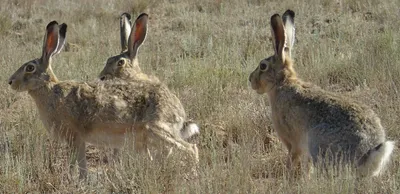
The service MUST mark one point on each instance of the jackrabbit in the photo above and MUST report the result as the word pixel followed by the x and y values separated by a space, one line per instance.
pixel 126 66
pixel 314 122
pixel 102 113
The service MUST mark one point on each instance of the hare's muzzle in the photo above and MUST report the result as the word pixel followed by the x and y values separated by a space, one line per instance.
pixel 252 81
pixel 105 77
pixel 11 81
pixel 13 84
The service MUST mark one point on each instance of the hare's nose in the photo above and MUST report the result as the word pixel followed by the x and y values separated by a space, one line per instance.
pixel 10 82
pixel 102 78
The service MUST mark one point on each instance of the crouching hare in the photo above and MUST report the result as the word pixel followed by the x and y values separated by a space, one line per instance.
pixel 315 123
pixel 125 66
pixel 101 113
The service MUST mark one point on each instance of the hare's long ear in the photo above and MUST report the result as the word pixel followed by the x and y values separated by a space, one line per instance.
pixel 61 38
pixel 288 22
pixel 138 34
pixel 50 43
pixel 125 29
pixel 278 33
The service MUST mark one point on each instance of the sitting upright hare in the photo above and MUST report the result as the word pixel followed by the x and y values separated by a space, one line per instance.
pixel 102 113
pixel 125 66
pixel 314 122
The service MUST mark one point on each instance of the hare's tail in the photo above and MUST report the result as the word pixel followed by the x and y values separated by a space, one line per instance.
pixel 189 129
pixel 375 161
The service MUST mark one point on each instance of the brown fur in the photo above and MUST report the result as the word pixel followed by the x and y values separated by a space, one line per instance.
pixel 102 113
pixel 313 122
pixel 129 71
pixel 125 66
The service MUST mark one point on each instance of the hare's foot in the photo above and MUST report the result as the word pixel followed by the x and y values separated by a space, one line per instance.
pixel 293 163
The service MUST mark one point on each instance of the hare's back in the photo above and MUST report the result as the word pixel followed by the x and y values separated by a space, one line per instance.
pixel 96 104
pixel 340 117
pixel 317 106
pixel 333 121
pixel 146 99
pixel 105 101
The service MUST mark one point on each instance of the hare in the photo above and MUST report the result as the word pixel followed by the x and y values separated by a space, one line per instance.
pixel 313 122
pixel 101 113
pixel 126 66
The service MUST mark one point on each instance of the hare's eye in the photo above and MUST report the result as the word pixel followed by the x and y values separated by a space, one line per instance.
pixel 263 66
pixel 121 62
pixel 30 68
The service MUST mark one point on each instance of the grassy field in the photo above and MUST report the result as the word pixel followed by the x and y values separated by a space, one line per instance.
pixel 204 50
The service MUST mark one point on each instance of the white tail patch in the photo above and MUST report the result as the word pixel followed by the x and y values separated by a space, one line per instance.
pixel 384 155
pixel 378 159
pixel 190 130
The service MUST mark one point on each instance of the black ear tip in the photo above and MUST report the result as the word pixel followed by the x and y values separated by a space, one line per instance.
pixel 290 13
pixel 275 17
pixel 63 28
pixel 127 15
pixel 51 24
pixel 142 15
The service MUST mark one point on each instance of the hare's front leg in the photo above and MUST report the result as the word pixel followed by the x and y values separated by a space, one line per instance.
pixel 115 154
pixel 295 152
pixel 289 157
pixel 293 161
pixel 79 154
pixel 299 161
pixel 140 141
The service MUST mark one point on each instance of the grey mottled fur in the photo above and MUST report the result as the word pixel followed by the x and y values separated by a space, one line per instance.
pixel 315 123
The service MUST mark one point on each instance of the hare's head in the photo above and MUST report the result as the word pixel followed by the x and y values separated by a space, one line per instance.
pixel 37 72
pixel 126 63
pixel 276 69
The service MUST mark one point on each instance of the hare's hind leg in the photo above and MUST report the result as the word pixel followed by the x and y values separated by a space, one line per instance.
pixel 162 132
pixel 324 150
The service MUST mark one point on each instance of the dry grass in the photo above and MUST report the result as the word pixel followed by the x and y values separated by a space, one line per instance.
pixel 204 51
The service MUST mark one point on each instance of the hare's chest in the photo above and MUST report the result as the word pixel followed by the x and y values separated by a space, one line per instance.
pixel 280 125
pixel 49 118
pixel 284 125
